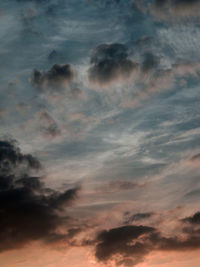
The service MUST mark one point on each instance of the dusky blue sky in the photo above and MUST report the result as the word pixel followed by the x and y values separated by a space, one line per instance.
pixel 122 123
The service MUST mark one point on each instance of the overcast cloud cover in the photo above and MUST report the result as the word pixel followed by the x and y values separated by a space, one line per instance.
pixel 100 133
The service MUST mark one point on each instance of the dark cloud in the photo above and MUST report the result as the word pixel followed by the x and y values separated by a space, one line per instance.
pixel 110 63
pixel 138 217
pixel 162 243
pixel 73 232
pixel 195 219
pixel 58 75
pixel 128 245
pixel 120 241
pixel 28 210
pixel 11 158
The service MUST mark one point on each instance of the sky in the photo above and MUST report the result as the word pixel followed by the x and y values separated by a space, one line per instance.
pixel 100 133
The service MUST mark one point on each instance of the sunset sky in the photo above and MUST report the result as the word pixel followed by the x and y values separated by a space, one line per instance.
pixel 100 133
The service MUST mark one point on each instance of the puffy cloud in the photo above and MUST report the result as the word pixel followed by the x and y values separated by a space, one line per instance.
pixel 110 64
pixel 28 210
pixel 58 75
pixel 128 245
pixel 120 241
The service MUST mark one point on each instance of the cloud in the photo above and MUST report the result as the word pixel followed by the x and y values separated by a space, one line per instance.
pixel 159 79
pixel 128 245
pixel 49 127
pixel 161 243
pixel 115 186
pixel 138 217
pixel 195 157
pixel 110 64
pixel 149 63
pixel 120 241
pixel 58 75
pixel 37 1
pixel 176 9
pixel 193 194
pixel 195 219
pixel 29 211
pixel 187 68
pixel 193 162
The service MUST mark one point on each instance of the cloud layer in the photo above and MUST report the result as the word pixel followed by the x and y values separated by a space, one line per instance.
pixel 102 94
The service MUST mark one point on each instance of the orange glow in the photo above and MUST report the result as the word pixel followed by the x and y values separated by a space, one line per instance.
pixel 37 255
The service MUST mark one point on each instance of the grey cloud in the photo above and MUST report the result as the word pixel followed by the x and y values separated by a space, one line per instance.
pixel 138 217
pixel 11 158
pixel 149 63
pixel 124 185
pixel 161 3
pixel 128 245
pixel 119 240
pixel 28 210
pixel 58 75
pixel 115 186
pixel 110 63
pixel 121 185
pixel 49 127
pixel 193 194
pixel 175 243
pixel 195 219
pixel 195 157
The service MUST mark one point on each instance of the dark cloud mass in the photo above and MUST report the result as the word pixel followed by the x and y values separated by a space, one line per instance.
pixel 110 63
pixel 128 245
pixel 119 241
pixel 28 210
pixel 58 75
